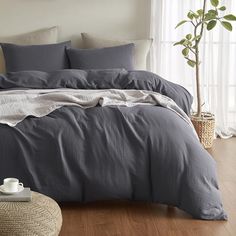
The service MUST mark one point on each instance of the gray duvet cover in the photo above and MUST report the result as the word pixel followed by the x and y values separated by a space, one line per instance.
pixel 145 153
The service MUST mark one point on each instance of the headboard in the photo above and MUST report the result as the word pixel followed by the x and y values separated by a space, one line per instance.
pixel 117 18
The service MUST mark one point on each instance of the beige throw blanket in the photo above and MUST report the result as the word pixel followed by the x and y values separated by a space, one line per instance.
pixel 16 105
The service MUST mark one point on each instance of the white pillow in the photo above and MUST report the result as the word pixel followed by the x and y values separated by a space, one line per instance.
pixel 142 47
pixel 43 36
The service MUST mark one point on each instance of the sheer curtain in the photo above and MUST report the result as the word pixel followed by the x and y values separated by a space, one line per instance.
pixel 218 57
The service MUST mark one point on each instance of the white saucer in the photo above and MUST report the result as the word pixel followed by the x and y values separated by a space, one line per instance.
pixel 20 189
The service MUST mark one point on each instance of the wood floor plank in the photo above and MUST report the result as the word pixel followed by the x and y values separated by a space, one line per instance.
pixel 133 219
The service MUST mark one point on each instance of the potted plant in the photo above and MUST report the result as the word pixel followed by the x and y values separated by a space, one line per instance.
pixel 200 20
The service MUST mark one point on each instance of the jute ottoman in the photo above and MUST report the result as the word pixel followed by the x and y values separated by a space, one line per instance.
pixel 41 217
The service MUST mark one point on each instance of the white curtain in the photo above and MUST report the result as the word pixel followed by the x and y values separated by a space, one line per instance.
pixel 218 57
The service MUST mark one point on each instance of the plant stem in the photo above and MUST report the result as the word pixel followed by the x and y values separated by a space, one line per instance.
pixel 201 23
pixel 199 100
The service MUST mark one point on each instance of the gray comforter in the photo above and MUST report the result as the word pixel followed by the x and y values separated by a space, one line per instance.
pixel 145 153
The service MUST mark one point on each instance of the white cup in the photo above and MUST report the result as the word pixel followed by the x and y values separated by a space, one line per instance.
pixel 11 185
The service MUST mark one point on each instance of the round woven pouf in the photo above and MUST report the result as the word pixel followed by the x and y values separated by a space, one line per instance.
pixel 41 217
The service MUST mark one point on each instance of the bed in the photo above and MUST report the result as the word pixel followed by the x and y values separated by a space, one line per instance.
pixel 82 125
pixel 142 150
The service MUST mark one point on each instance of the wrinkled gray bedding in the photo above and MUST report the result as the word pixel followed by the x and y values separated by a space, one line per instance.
pixel 145 153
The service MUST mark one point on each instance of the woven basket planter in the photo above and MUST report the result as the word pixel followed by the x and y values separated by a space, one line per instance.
pixel 205 128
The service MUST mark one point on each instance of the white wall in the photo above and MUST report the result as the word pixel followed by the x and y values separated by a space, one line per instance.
pixel 119 18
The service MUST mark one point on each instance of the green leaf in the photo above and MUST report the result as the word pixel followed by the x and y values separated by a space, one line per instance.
pixel 186 42
pixel 185 52
pixel 223 8
pixel 181 23
pixel 189 36
pixel 191 63
pixel 175 44
pixel 209 16
pixel 180 42
pixel 227 25
pixel 195 15
pixel 190 15
pixel 213 12
pixel 230 17
pixel 215 3
pixel 211 24
pixel 200 12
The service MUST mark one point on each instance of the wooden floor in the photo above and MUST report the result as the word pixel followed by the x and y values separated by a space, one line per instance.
pixel 127 218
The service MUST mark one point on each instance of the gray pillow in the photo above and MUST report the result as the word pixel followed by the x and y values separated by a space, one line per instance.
pixel 43 36
pixel 102 58
pixel 46 57
pixel 141 47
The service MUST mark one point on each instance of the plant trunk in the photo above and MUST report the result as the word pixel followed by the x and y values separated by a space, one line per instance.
pixel 199 103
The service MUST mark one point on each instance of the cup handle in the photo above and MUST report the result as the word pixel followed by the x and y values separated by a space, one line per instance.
pixel 21 184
